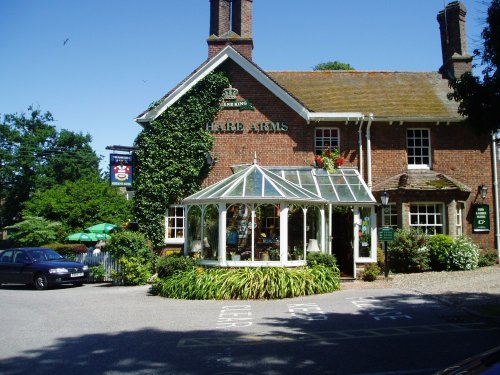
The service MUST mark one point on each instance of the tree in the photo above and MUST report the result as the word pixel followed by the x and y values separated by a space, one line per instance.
pixel 333 65
pixel 480 98
pixel 35 231
pixel 34 156
pixel 80 204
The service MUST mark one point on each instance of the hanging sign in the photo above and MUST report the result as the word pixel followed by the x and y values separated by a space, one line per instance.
pixel 120 167
pixel 481 222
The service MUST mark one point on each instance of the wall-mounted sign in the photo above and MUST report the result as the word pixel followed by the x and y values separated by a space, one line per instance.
pixel 121 169
pixel 230 100
pixel 481 222
pixel 239 127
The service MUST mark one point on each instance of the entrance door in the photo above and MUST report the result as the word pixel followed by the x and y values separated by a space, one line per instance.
pixel 343 240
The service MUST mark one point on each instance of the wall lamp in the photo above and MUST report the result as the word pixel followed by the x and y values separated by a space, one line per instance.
pixel 483 190
pixel 384 198
pixel 210 159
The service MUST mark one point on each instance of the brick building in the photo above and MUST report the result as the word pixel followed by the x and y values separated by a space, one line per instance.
pixel 397 132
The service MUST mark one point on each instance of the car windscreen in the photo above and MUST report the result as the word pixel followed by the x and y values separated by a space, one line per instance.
pixel 41 255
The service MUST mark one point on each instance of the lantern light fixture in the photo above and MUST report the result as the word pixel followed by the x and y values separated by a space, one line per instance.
pixel 483 190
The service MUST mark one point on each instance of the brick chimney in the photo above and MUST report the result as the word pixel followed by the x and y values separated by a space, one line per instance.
pixel 231 24
pixel 456 60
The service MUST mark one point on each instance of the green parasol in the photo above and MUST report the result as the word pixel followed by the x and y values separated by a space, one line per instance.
pixel 103 228
pixel 87 237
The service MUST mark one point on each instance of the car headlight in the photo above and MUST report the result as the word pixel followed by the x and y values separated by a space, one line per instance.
pixel 58 270
pixel 85 268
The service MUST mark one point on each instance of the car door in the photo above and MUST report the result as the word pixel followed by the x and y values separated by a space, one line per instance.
pixel 22 272
pixel 6 270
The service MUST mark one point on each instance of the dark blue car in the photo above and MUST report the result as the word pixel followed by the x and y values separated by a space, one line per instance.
pixel 41 267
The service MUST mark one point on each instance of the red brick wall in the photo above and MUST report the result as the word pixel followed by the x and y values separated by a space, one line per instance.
pixel 456 150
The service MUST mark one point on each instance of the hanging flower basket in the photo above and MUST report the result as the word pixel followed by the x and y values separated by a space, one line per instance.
pixel 330 159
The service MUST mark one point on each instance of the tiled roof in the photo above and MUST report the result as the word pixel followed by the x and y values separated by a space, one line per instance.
pixel 421 180
pixel 385 94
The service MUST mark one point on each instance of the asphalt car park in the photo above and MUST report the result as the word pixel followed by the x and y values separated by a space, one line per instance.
pixel 105 329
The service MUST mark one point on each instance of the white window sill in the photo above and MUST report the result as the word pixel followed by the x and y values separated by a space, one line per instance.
pixel 174 241
pixel 419 166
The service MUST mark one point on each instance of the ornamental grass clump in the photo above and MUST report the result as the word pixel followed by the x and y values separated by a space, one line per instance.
pixel 249 283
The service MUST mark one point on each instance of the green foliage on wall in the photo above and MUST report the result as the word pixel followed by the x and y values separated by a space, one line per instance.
pixel 171 156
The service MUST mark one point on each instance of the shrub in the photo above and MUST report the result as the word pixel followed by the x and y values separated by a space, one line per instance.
pixel 249 283
pixel 68 249
pixel 463 255
pixel 129 244
pixel 371 272
pixel 315 259
pixel 171 264
pixel 487 258
pixel 380 257
pixel 133 271
pixel 97 273
pixel 135 257
pixel 408 252
pixel 439 248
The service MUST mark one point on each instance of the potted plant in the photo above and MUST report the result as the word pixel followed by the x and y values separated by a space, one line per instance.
pixel 274 253
pixel 264 256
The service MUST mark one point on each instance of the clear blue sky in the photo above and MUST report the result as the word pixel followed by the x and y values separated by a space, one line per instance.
pixel 121 55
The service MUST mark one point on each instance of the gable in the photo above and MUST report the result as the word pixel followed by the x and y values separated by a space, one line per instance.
pixel 264 79
pixel 335 95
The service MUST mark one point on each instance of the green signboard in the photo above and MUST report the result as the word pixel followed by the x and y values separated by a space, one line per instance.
pixel 481 222
pixel 386 234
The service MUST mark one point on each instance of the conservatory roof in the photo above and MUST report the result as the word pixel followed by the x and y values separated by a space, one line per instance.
pixel 253 183
pixel 344 187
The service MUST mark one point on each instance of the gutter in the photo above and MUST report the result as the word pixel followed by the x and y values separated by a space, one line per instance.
pixel 332 116
pixel 369 152
pixel 360 143
pixel 495 190
pixel 401 120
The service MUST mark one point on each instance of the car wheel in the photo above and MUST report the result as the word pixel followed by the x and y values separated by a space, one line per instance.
pixel 40 281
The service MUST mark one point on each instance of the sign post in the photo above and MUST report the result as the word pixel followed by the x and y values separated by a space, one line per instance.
pixel 386 234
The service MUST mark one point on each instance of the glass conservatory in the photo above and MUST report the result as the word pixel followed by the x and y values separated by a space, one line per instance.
pixel 274 216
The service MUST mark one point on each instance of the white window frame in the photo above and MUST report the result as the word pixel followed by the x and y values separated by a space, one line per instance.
pixel 440 213
pixel 324 141
pixel 459 221
pixel 390 217
pixel 179 240
pixel 420 147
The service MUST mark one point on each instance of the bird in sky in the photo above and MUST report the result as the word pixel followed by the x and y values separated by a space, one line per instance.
pixel 65 41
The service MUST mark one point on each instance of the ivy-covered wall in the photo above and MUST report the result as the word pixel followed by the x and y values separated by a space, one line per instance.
pixel 171 157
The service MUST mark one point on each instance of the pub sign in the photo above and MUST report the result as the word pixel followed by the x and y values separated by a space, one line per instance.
pixel 481 222
pixel 121 167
